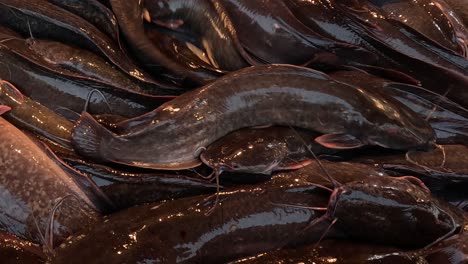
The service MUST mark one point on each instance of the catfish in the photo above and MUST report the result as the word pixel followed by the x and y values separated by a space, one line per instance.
pixel 173 135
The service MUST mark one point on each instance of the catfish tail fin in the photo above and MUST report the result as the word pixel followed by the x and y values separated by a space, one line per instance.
pixel 88 137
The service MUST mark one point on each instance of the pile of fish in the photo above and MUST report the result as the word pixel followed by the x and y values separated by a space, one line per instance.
pixel 234 131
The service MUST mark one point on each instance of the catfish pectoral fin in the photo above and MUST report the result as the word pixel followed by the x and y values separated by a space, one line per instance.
pixel 189 164
pixel 88 136
pixel 339 141
pixel 4 109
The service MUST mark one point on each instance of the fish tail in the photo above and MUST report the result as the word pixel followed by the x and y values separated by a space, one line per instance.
pixel 88 137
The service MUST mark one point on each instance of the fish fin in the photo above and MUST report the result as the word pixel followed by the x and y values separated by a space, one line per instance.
pixel 12 88
pixel 4 109
pixel 339 141
pixel 183 165
pixel 295 165
pixel 87 137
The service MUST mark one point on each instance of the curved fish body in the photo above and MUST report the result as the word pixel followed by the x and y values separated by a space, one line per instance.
pixel 337 251
pixel 425 17
pixel 396 49
pixel 130 16
pixel 172 136
pixel 461 9
pixel 36 80
pixel 397 212
pixel 453 250
pixel 447 165
pixel 89 65
pixel 42 19
pixel 262 150
pixel 449 120
pixel 34 117
pixel 130 188
pixel 15 250
pixel 249 220
pixel 94 12
pixel 375 22
pixel 31 185
pixel 269 31
pixel 215 31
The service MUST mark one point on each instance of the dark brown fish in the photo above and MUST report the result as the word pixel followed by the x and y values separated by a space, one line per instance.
pixel 336 251
pixel 34 187
pixel 449 120
pixel 94 12
pixel 130 18
pixel 425 17
pixel 126 188
pixel 392 211
pixel 15 250
pixel 172 136
pixel 89 65
pixel 461 9
pixel 30 115
pixel 453 250
pixel 214 31
pixel 262 150
pixel 42 19
pixel 43 83
pixel 248 220
pixel 269 31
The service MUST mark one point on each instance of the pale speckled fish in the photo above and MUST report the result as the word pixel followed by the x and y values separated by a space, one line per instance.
pixel 31 184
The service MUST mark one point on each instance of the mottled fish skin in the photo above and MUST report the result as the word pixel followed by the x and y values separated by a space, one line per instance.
pixel 15 250
pixel 257 96
pixel 249 220
pixel 32 116
pixel 35 79
pixel 31 185
pixel 45 20
pixel 262 150
pixel 423 16
pixel 94 12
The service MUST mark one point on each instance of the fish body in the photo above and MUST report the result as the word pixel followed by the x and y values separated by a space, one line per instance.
pixel 31 185
pixel 173 135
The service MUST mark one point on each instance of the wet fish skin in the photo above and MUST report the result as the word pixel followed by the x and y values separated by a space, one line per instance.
pixel 129 17
pixel 130 188
pixel 262 150
pixel 424 17
pixel 15 250
pixel 275 93
pixel 449 120
pixel 187 241
pixel 45 20
pixel 94 12
pixel 88 64
pixel 32 184
pixel 37 81
pixel 284 39
pixel 461 9
pixel 398 212
pixel 350 252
